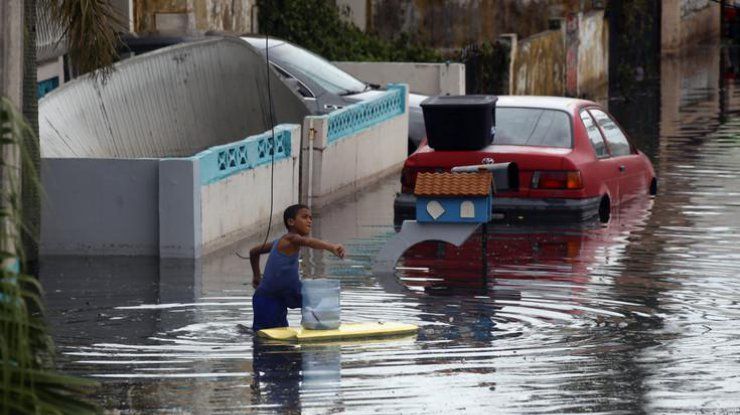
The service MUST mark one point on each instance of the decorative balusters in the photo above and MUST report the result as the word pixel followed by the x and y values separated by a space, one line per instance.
pixel 362 115
pixel 222 161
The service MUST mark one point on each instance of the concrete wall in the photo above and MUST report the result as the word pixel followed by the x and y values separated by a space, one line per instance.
pixel 335 164
pixel 593 54
pixel 191 17
pixel 456 23
pixel 174 101
pixel 356 12
pixel 422 78
pixel 125 10
pixel 51 69
pixel 99 207
pixel 538 65
pixel 239 205
pixel 573 61
pixel 688 22
pixel 171 207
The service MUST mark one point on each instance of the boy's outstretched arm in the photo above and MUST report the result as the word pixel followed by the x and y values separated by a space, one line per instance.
pixel 314 243
pixel 254 260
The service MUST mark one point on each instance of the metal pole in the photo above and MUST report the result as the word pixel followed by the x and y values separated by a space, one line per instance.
pixel 722 26
pixel 311 136
pixel 484 251
pixel 11 86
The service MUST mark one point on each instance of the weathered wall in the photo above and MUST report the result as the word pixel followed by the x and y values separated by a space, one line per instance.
pixel 354 11
pixel 225 15
pixel 125 10
pixel 688 22
pixel 174 101
pixel 422 78
pixel 239 205
pixel 593 54
pixel 188 17
pixel 99 207
pixel 50 69
pixel 341 164
pixel 538 66
pixel 456 23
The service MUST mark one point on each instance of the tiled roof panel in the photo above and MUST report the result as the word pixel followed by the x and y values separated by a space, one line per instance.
pixel 453 184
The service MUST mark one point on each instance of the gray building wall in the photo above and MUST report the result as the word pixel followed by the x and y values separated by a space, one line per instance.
pixel 180 211
pixel 100 207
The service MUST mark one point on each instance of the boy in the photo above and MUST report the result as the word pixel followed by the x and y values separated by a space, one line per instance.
pixel 280 288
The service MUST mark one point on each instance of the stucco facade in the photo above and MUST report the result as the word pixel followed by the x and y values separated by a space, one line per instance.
pixel 688 22
pixel 455 23
pixel 191 17
pixel 539 65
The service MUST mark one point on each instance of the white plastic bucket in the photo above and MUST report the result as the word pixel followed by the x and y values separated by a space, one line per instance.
pixel 320 309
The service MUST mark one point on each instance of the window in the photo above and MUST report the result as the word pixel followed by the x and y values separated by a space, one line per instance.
pixel 532 127
pixel 293 82
pixel 594 135
pixel 300 61
pixel 46 86
pixel 467 209
pixel 615 138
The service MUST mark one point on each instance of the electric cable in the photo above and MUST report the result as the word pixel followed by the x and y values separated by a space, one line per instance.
pixel 271 148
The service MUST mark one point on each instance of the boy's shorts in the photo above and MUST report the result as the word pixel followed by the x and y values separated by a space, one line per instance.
pixel 269 313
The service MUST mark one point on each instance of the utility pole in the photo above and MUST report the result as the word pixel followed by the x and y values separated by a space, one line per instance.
pixel 30 192
pixel 11 86
pixel 722 28
pixel 11 50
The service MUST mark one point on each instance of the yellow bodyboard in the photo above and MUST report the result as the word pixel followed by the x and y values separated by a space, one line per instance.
pixel 345 331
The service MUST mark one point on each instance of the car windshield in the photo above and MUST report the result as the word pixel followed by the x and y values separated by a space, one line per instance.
pixel 302 62
pixel 532 127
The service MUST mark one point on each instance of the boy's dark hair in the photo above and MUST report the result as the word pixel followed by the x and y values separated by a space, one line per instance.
pixel 291 212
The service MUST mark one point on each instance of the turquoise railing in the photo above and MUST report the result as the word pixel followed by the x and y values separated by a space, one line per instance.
pixel 362 115
pixel 222 161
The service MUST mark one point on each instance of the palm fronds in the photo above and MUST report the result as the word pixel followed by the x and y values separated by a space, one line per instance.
pixel 90 28
pixel 28 383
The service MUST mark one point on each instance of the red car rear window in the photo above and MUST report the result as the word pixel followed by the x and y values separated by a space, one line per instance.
pixel 532 127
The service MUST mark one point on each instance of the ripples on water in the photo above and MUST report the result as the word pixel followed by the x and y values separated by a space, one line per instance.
pixel 637 316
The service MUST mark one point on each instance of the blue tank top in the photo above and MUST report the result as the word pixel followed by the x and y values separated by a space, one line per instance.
pixel 281 279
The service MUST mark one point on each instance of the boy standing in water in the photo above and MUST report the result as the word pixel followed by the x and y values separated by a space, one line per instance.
pixel 280 288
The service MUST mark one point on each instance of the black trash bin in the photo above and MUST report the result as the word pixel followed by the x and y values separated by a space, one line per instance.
pixel 459 122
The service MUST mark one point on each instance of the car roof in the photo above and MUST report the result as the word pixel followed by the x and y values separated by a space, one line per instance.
pixel 259 42
pixel 547 102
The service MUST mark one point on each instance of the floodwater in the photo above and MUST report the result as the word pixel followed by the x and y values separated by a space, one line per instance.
pixel 636 316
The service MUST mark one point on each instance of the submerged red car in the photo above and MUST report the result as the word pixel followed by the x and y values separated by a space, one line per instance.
pixel 574 162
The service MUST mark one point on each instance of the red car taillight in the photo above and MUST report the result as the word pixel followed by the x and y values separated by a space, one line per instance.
pixel 557 180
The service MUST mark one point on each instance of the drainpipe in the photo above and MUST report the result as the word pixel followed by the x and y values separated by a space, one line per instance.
pixel 311 136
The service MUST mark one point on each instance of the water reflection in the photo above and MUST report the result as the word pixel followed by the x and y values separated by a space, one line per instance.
pixel 287 374
pixel 637 316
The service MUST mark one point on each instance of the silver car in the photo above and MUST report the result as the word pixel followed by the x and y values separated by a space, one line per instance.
pixel 326 88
